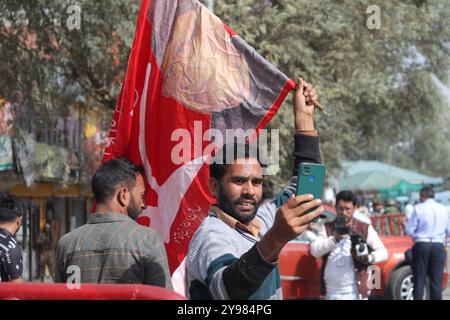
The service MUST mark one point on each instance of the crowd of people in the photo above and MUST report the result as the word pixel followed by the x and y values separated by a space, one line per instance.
pixel 234 253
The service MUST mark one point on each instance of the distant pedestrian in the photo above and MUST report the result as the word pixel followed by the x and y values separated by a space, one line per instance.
pixel 46 250
pixel 11 210
pixel 378 208
pixel 391 207
pixel 428 226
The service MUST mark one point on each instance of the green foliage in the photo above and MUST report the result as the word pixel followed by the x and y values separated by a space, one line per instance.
pixel 50 66
pixel 377 84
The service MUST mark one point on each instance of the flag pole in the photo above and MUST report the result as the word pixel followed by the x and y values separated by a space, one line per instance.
pixel 320 106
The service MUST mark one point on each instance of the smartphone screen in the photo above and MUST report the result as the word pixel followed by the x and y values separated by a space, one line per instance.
pixel 311 178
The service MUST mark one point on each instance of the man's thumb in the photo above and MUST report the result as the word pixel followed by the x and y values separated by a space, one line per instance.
pixel 300 86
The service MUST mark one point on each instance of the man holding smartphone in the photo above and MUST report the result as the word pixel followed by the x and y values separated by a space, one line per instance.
pixel 234 253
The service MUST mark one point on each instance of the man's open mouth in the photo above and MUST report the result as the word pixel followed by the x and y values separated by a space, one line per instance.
pixel 246 205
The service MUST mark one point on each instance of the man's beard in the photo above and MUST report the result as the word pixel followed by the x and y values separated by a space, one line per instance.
pixel 230 207
pixel 133 209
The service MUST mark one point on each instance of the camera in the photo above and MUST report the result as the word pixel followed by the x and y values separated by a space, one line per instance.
pixel 341 226
pixel 359 245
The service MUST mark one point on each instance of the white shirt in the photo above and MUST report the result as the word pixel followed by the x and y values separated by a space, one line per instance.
pixel 429 222
pixel 361 217
pixel 340 274
pixel 409 209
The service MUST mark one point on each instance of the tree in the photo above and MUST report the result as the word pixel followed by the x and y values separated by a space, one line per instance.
pixel 63 59
pixel 51 65
pixel 377 83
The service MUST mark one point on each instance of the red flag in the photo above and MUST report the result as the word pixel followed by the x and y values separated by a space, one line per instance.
pixel 188 73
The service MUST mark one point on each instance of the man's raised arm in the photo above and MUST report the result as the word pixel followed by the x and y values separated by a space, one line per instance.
pixel 306 147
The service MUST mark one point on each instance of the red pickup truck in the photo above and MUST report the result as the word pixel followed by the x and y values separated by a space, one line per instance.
pixel 300 271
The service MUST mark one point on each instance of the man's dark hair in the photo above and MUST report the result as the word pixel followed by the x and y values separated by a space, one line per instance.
pixel 11 208
pixel 229 153
pixel 346 196
pixel 427 192
pixel 112 175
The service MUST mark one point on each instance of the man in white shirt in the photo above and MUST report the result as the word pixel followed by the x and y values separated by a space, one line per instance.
pixel 429 225
pixel 358 214
pixel 344 272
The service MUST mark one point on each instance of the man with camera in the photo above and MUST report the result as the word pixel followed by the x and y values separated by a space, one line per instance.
pixel 348 247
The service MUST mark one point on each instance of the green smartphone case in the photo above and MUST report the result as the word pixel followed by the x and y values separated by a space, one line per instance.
pixel 311 178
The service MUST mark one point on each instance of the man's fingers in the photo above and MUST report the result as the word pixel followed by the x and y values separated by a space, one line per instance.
pixel 307 84
pixel 312 92
pixel 298 200
pixel 300 86
pixel 304 207
pixel 305 88
pixel 308 218
pixel 308 87
pixel 300 230
pixel 300 224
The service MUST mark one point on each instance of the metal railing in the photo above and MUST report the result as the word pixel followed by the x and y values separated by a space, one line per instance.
pixel 389 224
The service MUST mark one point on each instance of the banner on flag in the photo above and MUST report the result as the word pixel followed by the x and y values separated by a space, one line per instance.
pixel 190 78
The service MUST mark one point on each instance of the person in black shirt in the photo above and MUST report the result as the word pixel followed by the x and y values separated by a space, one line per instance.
pixel 10 251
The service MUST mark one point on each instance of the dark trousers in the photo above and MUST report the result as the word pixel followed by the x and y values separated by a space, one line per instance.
pixel 428 260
